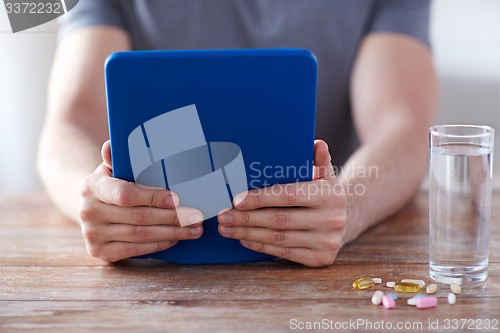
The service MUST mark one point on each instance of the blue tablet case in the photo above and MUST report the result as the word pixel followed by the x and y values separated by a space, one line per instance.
pixel 245 110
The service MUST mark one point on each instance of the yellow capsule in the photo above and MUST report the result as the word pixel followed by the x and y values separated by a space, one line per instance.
pixel 363 283
pixel 407 287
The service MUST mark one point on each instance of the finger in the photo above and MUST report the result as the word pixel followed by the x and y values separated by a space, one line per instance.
pixel 106 154
pixel 279 238
pixel 148 234
pixel 300 255
pixel 299 194
pixel 323 168
pixel 142 216
pixel 127 194
pixel 272 218
pixel 115 251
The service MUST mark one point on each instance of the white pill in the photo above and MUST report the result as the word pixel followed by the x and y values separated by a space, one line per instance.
pixel 377 280
pixel 390 284
pixel 431 289
pixel 420 283
pixel 448 280
pixel 411 301
pixel 377 297
pixel 414 299
pixel 452 298
pixel 455 288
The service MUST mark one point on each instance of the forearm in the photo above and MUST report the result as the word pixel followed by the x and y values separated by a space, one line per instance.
pixel 76 124
pixel 394 97
pixel 383 175
pixel 67 155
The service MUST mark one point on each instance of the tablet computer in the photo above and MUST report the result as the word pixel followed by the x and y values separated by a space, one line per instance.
pixel 209 124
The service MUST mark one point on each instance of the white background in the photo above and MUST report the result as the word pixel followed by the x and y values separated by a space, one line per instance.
pixel 466 45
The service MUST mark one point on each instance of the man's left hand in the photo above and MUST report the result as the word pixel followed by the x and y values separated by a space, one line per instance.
pixel 303 222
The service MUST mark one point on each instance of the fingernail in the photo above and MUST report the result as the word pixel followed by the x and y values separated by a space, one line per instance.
pixel 226 217
pixel 239 200
pixel 226 230
pixel 195 217
pixel 195 231
pixel 172 200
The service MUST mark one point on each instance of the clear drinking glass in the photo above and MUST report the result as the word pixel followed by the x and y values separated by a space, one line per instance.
pixel 461 165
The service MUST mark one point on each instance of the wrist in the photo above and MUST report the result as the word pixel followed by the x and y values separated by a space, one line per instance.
pixel 352 214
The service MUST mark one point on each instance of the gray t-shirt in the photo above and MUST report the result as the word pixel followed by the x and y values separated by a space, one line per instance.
pixel 331 29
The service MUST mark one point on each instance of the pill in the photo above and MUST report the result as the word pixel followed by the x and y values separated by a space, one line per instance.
pixel 392 295
pixel 427 302
pixel 413 300
pixel 388 302
pixel 452 298
pixel 455 288
pixel 363 283
pixel 449 280
pixel 377 280
pixel 390 284
pixel 407 287
pixel 377 297
pixel 420 283
pixel 431 289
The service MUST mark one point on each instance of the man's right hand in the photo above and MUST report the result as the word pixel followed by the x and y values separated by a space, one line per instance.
pixel 120 219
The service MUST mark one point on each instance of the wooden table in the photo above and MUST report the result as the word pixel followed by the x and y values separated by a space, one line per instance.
pixel 50 284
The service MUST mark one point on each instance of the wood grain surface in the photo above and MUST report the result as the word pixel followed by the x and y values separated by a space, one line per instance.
pixel 48 283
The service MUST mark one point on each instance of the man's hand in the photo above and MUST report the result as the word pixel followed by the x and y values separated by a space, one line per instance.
pixel 120 219
pixel 303 222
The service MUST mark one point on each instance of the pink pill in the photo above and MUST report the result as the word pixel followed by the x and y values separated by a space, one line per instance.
pixel 427 302
pixel 388 302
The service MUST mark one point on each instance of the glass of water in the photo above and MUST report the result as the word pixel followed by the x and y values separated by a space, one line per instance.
pixel 460 175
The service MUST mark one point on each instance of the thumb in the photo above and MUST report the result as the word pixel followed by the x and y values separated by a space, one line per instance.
pixel 323 168
pixel 106 154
